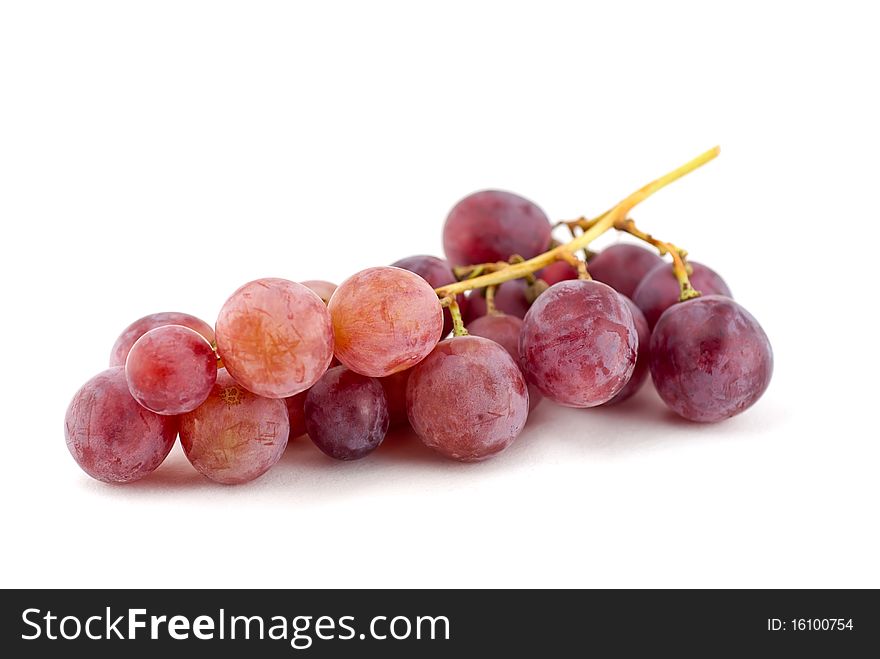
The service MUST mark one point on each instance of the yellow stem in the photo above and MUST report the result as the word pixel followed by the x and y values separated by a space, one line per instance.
pixel 577 264
pixel 491 309
pixel 458 328
pixel 603 223
pixel 679 266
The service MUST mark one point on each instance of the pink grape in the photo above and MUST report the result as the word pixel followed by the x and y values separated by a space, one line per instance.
pixel 659 290
pixel 143 325
pixel 710 359
pixel 385 320
pixel 505 330
pixel 171 369
pixel 623 266
pixel 557 272
pixel 640 373
pixel 296 415
pixel 468 400
pixel 579 343
pixel 323 289
pixel 510 298
pixel 235 436
pixel 395 395
pixel 491 226
pixel 346 414
pixel 437 273
pixel 110 435
pixel 275 337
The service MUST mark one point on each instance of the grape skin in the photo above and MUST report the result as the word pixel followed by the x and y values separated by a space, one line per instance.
pixel 111 437
pixel 505 330
pixel 323 289
pixel 710 359
pixel 579 343
pixel 643 359
pixel 275 337
pixel 623 266
pixel 235 436
pixel 346 414
pixel 385 320
pixel 143 325
pixel 296 415
pixel 468 400
pixel 659 290
pixel 510 298
pixel 395 395
pixel 493 225
pixel 171 370
pixel 557 272
pixel 437 273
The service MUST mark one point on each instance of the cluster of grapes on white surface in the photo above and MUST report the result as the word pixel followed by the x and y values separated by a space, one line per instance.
pixel 529 317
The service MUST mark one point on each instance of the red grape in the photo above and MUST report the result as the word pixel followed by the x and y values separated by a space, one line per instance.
pixel 323 289
pixel 557 272
pixel 491 226
pixel 437 273
pixel 579 343
pixel 110 435
pixel 171 369
pixel 385 320
pixel 275 337
pixel 659 290
pixel 505 330
pixel 710 359
pixel 510 298
pixel 640 373
pixel 143 325
pixel 395 395
pixel 235 436
pixel 296 415
pixel 623 266
pixel 346 414
pixel 468 399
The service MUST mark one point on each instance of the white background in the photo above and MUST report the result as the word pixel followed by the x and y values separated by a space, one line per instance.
pixel 155 156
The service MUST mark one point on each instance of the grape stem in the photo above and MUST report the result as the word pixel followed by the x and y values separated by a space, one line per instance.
pixel 679 265
pixel 458 328
pixel 577 264
pixel 491 309
pixel 603 223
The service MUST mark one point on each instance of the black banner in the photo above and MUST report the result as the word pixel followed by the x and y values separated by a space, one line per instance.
pixel 430 623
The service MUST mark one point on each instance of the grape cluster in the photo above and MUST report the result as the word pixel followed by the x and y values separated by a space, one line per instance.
pixel 344 364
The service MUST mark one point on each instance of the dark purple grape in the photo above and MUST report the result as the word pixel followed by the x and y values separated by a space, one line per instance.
pixel 623 266
pixel 468 400
pixel 710 359
pixel 505 330
pixel 346 414
pixel 111 436
pixel 659 290
pixel 395 395
pixel 640 373
pixel 579 343
pixel 510 298
pixel 491 226
pixel 437 273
